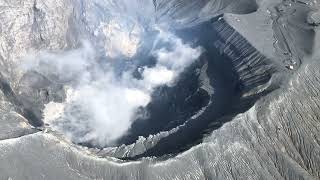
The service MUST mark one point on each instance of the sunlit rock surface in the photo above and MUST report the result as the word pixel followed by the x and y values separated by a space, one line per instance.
pixel 258 82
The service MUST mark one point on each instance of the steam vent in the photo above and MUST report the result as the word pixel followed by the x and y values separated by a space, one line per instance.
pixel 159 89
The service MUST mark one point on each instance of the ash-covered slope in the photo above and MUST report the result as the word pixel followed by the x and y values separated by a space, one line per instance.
pixel 258 83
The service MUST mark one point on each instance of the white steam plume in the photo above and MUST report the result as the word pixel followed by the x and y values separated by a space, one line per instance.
pixel 101 107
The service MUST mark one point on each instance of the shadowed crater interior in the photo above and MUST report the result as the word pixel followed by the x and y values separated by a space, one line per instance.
pixel 209 93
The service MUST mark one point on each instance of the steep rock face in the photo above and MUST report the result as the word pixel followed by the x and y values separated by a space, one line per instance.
pixel 277 138
pixel 27 27
pixel 30 25
pixel 190 13
pixel 13 124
